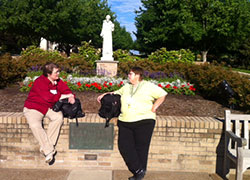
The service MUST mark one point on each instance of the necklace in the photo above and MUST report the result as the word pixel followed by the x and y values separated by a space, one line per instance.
pixel 133 91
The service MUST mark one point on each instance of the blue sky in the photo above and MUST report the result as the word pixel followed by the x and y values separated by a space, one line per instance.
pixel 125 12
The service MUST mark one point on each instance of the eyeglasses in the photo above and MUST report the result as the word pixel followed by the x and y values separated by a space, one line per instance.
pixel 131 73
pixel 56 72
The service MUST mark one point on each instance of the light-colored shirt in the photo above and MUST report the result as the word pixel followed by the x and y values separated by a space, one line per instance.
pixel 137 102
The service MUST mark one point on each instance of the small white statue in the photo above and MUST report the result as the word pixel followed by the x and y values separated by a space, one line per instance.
pixel 107 47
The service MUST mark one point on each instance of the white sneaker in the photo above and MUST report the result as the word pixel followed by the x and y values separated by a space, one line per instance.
pixel 41 151
pixel 49 157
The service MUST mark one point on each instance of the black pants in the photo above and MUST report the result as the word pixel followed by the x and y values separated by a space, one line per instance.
pixel 133 142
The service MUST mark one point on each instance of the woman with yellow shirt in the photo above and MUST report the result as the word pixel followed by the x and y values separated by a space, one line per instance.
pixel 139 102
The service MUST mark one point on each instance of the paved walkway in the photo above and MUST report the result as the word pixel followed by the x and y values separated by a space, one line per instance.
pixel 59 174
pixel 42 174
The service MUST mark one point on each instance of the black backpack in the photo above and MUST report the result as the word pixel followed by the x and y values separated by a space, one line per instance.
pixel 110 107
pixel 70 111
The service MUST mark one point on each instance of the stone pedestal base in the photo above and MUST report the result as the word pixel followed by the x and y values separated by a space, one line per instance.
pixel 106 68
pixel 107 58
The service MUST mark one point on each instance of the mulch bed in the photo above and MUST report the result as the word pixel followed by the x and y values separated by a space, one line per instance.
pixel 12 100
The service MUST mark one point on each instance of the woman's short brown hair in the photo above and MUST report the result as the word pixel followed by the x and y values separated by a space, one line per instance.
pixel 48 68
pixel 138 70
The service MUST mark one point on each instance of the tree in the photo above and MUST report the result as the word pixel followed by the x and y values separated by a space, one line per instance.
pixel 196 24
pixel 67 23
pixel 121 38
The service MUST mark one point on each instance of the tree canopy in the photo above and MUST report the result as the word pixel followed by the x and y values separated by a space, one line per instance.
pixel 68 23
pixel 200 25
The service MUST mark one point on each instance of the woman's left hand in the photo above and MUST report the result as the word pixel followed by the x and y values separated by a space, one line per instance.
pixel 157 103
pixel 154 109
pixel 71 100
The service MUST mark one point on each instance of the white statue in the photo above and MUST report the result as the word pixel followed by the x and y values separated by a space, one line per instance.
pixel 107 47
pixel 47 45
pixel 43 44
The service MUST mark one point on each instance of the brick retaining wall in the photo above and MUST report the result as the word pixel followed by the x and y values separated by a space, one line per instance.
pixel 178 144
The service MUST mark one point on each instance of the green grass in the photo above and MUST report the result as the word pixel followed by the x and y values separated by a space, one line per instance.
pixel 242 70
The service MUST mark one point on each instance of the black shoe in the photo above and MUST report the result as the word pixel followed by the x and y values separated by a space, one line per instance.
pixel 132 178
pixel 139 175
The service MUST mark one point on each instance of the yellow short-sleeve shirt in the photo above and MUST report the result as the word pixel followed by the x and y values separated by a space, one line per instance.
pixel 137 103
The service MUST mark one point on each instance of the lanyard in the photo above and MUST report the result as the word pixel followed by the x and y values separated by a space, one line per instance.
pixel 133 92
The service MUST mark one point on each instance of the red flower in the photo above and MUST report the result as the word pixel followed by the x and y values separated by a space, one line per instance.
pixel 167 86
pixel 192 88
pixel 88 85
pixel 183 86
pixel 79 84
pixel 160 85
pixel 99 87
pixel 121 83
pixel 30 84
pixel 110 84
pixel 66 82
pixel 95 84
pixel 175 87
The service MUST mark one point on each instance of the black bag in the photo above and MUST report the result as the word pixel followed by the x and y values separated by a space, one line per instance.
pixel 227 88
pixel 110 107
pixel 70 111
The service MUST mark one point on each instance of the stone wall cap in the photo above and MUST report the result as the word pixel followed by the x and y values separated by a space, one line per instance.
pixel 101 61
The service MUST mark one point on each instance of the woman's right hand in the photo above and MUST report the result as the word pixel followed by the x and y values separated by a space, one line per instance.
pixel 101 96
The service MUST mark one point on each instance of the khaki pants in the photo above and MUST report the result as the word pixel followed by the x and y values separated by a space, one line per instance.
pixel 48 140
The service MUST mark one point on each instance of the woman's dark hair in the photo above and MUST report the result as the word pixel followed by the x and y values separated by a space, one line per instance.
pixel 48 68
pixel 138 70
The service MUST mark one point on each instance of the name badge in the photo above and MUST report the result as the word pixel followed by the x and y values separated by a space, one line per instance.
pixel 53 91
pixel 129 100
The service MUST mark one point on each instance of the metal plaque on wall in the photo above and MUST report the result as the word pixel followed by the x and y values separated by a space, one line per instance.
pixel 91 136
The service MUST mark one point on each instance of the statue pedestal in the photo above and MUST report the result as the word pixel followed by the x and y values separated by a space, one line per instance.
pixel 109 58
pixel 106 68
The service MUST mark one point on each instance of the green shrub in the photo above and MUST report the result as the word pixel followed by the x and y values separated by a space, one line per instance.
pixel 169 69
pixel 89 53
pixel 10 70
pixel 162 56
pixel 34 58
pixel 77 64
pixel 124 55
pixel 206 79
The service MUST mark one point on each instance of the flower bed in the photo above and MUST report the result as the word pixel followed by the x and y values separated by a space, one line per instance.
pixel 105 84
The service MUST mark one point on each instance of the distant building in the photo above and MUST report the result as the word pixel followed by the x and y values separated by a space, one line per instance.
pixel 47 45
